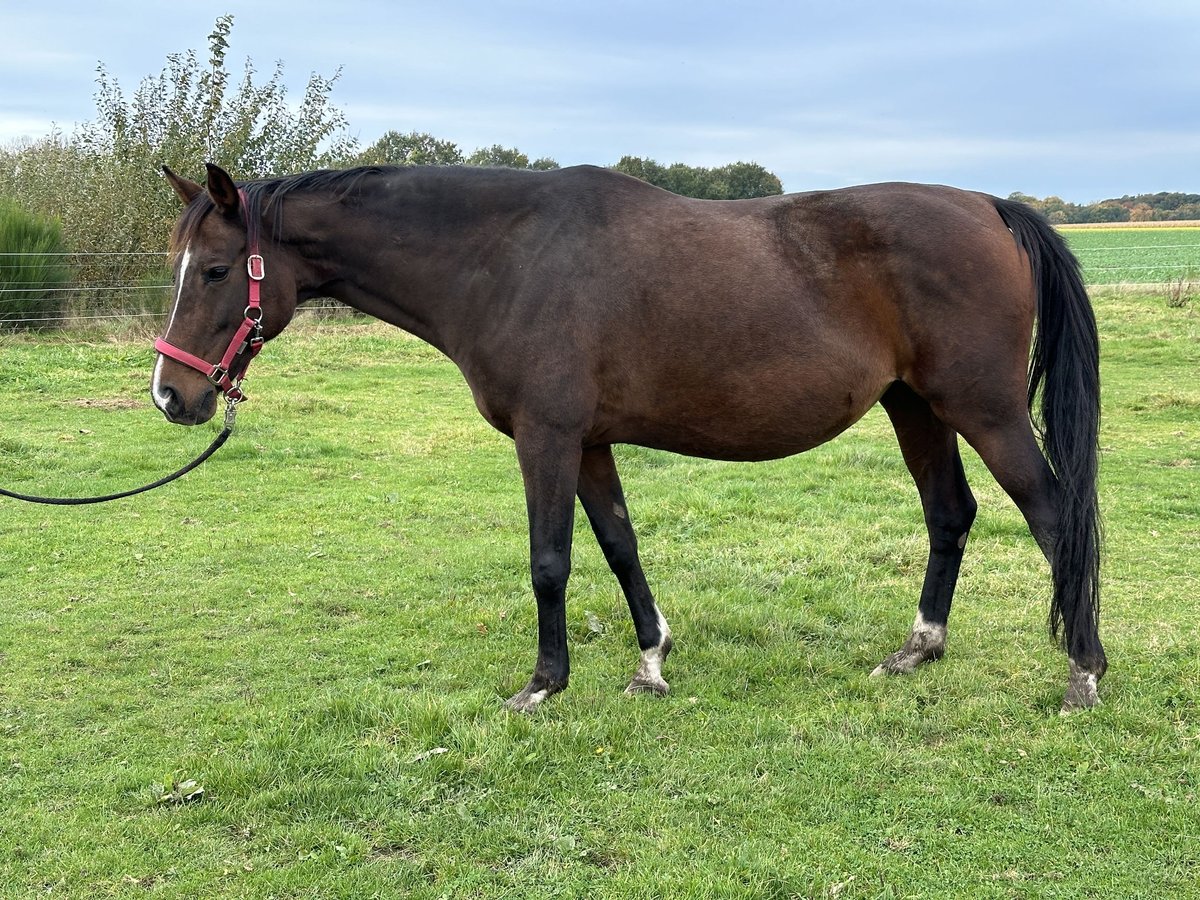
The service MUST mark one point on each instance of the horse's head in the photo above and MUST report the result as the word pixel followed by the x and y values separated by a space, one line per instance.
pixel 218 320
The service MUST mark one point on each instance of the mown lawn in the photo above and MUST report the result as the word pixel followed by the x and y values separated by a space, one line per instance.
pixel 318 628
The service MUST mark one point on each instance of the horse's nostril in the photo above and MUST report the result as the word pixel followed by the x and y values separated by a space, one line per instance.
pixel 167 399
pixel 179 410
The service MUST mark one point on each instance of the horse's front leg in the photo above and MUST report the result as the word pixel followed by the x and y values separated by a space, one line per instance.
pixel 549 461
pixel 604 502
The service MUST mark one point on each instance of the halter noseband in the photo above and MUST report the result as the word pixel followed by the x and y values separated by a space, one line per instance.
pixel 248 337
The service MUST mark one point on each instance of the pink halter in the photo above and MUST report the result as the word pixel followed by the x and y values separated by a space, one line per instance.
pixel 248 337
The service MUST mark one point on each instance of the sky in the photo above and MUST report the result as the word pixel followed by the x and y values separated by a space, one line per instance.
pixel 1083 100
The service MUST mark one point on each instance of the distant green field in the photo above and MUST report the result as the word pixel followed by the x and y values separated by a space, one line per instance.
pixel 1137 255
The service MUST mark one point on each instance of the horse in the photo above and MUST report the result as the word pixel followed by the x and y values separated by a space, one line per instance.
pixel 586 308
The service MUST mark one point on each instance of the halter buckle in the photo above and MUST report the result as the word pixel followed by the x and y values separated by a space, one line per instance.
pixel 256 267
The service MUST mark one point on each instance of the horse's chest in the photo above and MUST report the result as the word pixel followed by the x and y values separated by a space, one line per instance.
pixel 493 406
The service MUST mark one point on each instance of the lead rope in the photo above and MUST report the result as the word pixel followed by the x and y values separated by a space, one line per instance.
pixel 248 338
pixel 226 431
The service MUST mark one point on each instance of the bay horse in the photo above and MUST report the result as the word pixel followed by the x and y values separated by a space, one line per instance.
pixel 586 308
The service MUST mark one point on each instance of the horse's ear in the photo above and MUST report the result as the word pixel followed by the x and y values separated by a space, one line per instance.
pixel 223 191
pixel 184 187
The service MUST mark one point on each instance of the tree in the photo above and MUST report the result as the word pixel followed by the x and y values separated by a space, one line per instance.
pixel 735 181
pixel 1158 207
pixel 412 149
pixel 744 180
pixel 188 114
pixel 33 268
pixel 508 158
pixel 1109 211
pixel 1141 212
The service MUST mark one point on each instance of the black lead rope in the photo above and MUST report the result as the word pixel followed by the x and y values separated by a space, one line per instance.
pixel 230 412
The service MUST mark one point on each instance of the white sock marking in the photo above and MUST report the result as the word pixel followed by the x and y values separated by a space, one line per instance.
pixel 924 629
pixel 650 666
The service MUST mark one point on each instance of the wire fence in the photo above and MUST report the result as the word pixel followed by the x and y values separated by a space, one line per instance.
pixel 90 288
pixel 64 290
pixel 1132 257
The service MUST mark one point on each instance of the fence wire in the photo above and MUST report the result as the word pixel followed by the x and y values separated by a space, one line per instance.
pixel 93 287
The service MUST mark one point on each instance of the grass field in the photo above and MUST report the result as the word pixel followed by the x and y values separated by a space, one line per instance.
pixel 1137 255
pixel 318 629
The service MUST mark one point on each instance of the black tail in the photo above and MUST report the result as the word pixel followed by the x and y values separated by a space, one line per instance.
pixel 1064 368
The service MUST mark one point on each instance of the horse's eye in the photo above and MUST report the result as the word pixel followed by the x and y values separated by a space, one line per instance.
pixel 217 273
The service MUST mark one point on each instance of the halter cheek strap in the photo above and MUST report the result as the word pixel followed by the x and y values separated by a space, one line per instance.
pixel 248 339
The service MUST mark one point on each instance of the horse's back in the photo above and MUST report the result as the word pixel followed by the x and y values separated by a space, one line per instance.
pixel 760 328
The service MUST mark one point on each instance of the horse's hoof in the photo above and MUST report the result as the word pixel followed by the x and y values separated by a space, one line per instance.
pixel 904 661
pixel 1081 692
pixel 531 696
pixel 648 677
pixel 643 685
pixel 899 663
pixel 925 643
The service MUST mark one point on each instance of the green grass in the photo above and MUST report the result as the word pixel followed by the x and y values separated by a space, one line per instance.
pixel 343 590
pixel 1160 255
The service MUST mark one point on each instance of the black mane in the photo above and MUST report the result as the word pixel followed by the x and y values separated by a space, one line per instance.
pixel 261 195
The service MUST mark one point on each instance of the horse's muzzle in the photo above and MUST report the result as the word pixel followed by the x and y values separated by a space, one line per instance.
pixel 172 405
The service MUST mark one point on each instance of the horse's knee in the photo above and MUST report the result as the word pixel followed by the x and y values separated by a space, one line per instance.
pixel 550 570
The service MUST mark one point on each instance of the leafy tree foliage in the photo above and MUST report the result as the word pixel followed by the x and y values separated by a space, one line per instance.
pixel 420 149
pixel 1161 207
pixel 30 284
pixel 103 181
pixel 412 149
pixel 508 158
pixel 736 181
pixel 192 112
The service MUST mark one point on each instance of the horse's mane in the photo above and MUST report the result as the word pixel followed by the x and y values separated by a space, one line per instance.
pixel 263 195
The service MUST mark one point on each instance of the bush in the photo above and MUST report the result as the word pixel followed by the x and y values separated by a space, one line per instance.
pixel 103 181
pixel 33 269
pixel 1183 291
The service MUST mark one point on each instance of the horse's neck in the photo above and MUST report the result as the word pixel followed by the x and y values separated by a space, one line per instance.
pixel 410 251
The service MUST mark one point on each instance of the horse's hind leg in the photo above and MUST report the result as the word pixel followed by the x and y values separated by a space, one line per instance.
pixel 1014 459
pixel 604 502
pixel 930 450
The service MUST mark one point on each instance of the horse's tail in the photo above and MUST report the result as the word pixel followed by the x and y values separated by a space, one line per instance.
pixel 1064 370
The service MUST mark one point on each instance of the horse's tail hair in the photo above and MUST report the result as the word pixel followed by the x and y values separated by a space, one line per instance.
pixel 1064 373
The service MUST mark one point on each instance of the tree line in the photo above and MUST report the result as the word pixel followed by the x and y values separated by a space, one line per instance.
pixel 1161 207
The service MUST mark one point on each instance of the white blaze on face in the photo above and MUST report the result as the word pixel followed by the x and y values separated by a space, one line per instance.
pixel 160 396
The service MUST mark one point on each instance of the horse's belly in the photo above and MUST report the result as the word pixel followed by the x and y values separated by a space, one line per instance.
pixel 765 424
